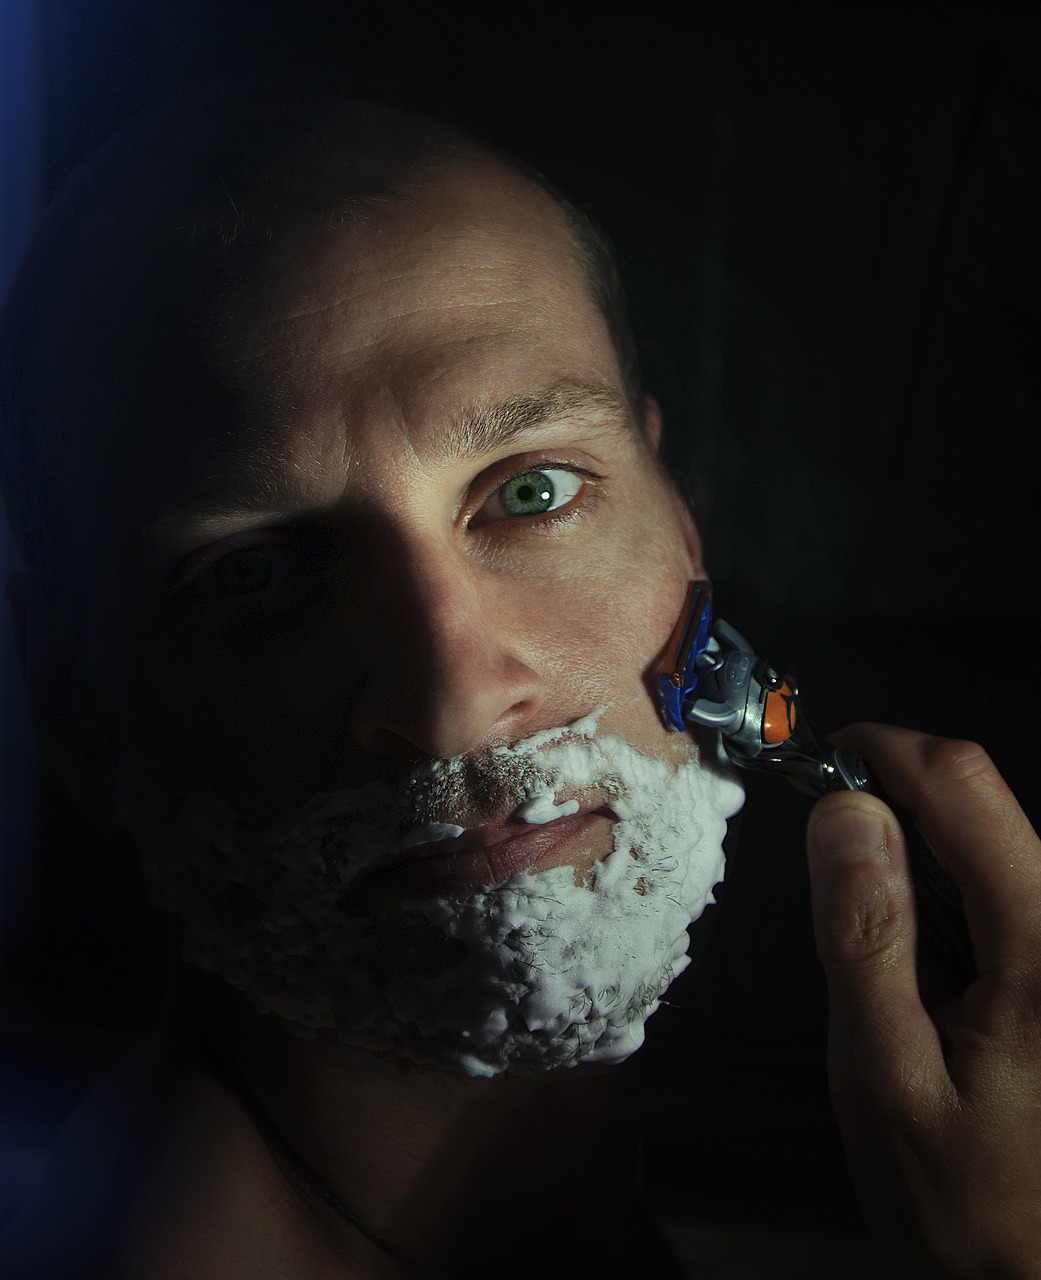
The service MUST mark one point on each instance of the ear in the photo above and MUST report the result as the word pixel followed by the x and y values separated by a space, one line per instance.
pixel 50 656
pixel 651 421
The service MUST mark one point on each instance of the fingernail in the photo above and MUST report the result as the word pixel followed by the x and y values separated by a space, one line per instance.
pixel 848 833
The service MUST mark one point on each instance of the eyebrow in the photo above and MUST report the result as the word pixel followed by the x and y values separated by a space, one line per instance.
pixel 482 430
pixel 264 485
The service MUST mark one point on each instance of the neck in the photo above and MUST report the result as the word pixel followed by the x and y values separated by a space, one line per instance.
pixel 433 1163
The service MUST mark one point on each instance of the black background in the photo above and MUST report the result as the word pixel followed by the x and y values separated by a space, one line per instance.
pixel 828 217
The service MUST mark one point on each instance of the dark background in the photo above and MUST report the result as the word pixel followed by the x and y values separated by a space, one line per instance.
pixel 828 217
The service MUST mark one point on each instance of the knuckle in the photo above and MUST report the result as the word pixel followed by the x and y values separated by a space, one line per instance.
pixel 960 761
pixel 960 777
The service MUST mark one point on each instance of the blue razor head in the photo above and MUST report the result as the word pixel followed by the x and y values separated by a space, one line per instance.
pixel 678 678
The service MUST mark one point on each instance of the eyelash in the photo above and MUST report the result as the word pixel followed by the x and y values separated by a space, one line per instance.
pixel 566 511
pixel 188 576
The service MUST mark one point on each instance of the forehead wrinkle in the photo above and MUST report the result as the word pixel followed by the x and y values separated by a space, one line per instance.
pixel 302 306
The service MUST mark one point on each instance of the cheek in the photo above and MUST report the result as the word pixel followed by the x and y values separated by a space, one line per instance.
pixel 611 612
pixel 647 599
pixel 627 642
pixel 642 574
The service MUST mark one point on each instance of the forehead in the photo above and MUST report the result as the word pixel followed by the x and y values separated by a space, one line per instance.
pixel 400 326
pixel 475 253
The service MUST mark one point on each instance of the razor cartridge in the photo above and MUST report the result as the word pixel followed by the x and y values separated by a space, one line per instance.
pixel 712 678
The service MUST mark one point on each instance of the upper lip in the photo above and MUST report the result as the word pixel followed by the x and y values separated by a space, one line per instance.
pixel 486 834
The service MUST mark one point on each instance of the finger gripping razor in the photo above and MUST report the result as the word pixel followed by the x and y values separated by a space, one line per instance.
pixel 712 678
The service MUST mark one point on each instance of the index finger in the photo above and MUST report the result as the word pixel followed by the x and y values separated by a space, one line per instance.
pixel 976 827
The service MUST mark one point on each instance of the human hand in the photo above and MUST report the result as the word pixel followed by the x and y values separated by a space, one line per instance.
pixel 938 1098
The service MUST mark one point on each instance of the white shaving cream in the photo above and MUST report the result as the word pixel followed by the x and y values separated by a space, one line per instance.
pixel 532 973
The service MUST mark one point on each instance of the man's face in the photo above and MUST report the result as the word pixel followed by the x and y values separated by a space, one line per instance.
pixel 388 634
pixel 368 581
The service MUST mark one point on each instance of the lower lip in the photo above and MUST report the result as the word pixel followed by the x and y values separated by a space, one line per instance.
pixel 579 841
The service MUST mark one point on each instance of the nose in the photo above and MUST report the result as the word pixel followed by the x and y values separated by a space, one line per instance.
pixel 448 672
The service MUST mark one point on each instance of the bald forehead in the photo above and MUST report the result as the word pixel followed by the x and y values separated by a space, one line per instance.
pixel 208 322
pixel 471 210
pixel 322 302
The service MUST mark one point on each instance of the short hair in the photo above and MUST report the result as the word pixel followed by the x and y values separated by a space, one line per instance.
pixel 181 198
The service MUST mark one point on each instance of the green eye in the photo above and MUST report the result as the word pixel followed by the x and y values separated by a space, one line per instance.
pixel 527 495
pixel 534 492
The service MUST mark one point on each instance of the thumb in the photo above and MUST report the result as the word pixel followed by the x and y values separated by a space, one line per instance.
pixel 864 922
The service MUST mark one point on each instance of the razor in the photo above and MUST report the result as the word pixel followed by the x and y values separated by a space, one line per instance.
pixel 711 679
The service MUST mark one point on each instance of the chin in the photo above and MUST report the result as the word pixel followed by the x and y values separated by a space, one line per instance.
pixel 554 965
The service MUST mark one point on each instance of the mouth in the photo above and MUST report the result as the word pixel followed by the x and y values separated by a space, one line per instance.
pixel 494 851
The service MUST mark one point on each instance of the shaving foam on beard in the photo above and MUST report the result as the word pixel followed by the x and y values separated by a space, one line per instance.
pixel 525 975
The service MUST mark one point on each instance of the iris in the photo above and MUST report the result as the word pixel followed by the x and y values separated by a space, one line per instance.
pixel 528 494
